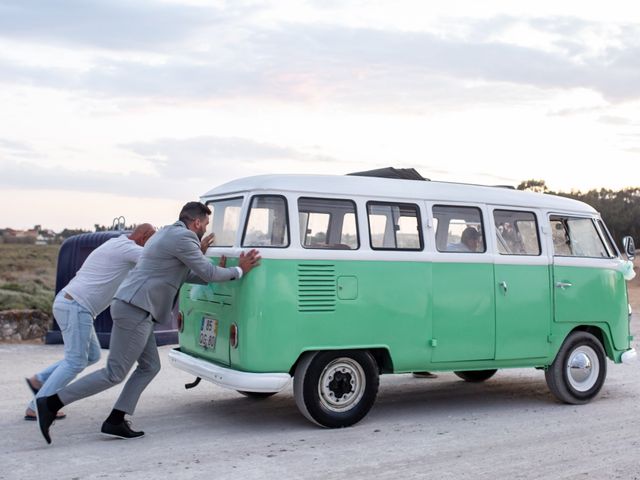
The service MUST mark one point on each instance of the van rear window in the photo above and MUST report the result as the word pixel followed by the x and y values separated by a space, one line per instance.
pixel 225 221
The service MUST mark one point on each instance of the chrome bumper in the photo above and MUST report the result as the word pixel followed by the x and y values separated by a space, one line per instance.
pixel 630 356
pixel 227 377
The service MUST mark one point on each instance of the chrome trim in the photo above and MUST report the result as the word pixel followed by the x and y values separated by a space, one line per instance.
pixel 227 377
pixel 629 357
pixel 564 285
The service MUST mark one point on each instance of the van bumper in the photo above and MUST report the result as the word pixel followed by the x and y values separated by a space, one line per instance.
pixel 630 356
pixel 227 377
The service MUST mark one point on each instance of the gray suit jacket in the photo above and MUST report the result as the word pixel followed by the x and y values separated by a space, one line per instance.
pixel 170 257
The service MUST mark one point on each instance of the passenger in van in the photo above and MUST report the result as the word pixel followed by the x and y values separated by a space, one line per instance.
pixel 471 240
pixel 173 256
pixel 78 304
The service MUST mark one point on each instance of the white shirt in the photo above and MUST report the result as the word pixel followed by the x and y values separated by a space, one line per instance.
pixel 102 273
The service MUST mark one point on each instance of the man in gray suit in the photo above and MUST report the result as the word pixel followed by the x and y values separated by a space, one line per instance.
pixel 174 255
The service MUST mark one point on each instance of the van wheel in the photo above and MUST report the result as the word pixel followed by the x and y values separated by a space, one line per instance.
pixel 476 376
pixel 578 371
pixel 256 395
pixel 336 388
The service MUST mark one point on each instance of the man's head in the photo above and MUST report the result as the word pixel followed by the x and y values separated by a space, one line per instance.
pixel 195 216
pixel 471 239
pixel 142 233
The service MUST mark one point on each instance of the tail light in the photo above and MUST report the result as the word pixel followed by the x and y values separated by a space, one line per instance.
pixel 233 335
pixel 180 322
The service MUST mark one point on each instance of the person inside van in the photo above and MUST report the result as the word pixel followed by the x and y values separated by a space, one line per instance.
pixel 471 240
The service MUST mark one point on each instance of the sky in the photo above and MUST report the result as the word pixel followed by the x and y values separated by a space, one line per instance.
pixel 131 108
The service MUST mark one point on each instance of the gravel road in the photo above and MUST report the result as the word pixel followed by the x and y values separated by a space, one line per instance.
pixel 508 427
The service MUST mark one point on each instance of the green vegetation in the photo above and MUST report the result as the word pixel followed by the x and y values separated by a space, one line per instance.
pixel 620 209
pixel 27 276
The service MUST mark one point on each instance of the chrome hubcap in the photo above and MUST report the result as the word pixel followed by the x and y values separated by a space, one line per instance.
pixel 342 384
pixel 583 368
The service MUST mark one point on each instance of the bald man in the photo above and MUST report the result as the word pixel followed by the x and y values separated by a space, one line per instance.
pixel 78 304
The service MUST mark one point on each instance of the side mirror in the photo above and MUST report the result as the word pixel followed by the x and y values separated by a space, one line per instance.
pixel 629 247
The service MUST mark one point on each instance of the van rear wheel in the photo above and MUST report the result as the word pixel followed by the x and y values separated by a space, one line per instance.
pixel 336 388
pixel 475 376
pixel 578 372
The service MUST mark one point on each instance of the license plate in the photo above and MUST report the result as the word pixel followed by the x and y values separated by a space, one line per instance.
pixel 208 332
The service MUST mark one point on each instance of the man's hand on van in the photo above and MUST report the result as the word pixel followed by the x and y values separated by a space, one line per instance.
pixel 223 261
pixel 206 242
pixel 249 260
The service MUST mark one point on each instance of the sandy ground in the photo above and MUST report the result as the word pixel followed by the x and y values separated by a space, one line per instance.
pixel 507 428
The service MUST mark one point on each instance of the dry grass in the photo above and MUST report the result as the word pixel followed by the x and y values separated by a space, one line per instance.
pixel 27 276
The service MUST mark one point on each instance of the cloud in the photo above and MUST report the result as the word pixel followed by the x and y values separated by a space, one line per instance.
pixel 208 155
pixel 314 62
pixel 183 168
pixel 111 24
pixel 11 148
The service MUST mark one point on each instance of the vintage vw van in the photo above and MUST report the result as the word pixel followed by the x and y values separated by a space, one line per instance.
pixel 365 276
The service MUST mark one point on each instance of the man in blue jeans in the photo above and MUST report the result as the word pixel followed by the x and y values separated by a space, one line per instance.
pixel 79 303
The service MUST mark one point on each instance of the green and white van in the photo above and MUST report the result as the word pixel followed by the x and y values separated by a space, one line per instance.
pixel 365 276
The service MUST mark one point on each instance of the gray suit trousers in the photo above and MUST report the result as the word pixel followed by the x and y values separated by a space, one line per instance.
pixel 132 340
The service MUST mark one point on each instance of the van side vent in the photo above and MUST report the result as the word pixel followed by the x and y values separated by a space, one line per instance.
pixel 316 287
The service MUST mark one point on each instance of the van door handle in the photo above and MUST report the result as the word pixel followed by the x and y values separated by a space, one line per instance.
pixel 504 287
pixel 563 285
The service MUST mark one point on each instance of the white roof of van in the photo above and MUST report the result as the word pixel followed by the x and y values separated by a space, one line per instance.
pixel 350 186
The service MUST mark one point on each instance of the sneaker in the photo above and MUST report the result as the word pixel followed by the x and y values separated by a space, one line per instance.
pixel 424 375
pixel 121 430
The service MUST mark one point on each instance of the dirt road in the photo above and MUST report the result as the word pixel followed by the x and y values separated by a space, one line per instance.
pixel 509 427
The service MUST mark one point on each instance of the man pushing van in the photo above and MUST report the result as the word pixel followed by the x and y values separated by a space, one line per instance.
pixel 77 305
pixel 173 256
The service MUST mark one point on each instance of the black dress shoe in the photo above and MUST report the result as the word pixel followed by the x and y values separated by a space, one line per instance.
pixel 33 389
pixel 45 417
pixel 121 430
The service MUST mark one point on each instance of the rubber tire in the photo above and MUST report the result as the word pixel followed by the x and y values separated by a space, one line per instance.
pixel 305 387
pixel 556 373
pixel 475 376
pixel 256 395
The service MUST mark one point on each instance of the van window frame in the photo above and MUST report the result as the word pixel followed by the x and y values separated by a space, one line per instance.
pixel 227 199
pixel 537 228
pixel 483 226
pixel 396 204
pixel 328 199
pixel 571 216
pixel 248 215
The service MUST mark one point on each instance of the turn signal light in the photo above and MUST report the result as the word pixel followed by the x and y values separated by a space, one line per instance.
pixel 233 335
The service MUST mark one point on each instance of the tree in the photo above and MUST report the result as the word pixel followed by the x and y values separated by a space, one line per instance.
pixel 532 185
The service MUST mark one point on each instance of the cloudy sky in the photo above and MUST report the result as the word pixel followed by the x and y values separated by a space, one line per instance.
pixel 114 107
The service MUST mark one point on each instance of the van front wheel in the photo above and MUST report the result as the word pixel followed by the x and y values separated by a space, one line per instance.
pixel 475 376
pixel 579 370
pixel 336 388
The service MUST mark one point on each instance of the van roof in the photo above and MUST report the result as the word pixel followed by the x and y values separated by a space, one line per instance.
pixel 386 188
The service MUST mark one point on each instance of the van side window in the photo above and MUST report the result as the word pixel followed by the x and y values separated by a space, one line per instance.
pixel 576 237
pixel 394 226
pixel 516 232
pixel 267 222
pixel 328 223
pixel 225 221
pixel 458 229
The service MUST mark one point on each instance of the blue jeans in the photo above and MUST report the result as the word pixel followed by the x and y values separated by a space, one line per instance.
pixel 81 346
